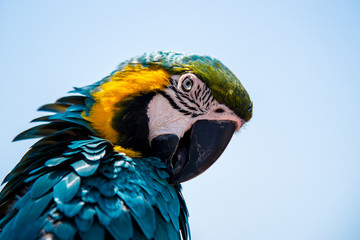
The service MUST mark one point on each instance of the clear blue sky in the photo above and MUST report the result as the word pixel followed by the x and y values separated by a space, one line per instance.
pixel 292 173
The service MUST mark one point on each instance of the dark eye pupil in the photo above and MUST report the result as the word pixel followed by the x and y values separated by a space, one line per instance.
pixel 187 84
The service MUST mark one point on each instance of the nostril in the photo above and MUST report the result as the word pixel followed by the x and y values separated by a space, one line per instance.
pixel 219 110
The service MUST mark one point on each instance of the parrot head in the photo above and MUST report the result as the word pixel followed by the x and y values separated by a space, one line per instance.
pixel 181 108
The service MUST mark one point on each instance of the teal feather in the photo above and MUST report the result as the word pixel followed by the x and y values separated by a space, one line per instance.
pixel 166 230
pixel 44 183
pixel 106 188
pixel 94 148
pixel 87 213
pixel 7 218
pixel 31 210
pixel 81 143
pixel 122 198
pixel 138 236
pixel 56 215
pixel 90 196
pixel 96 232
pixel 36 170
pixel 93 157
pixel 121 227
pixel 66 189
pixel 71 153
pixel 67 115
pixel 82 224
pixel 31 231
pixel 103 186
pixel 163 208
pixel 161 232
pixel 64 231
pixel 144 215
pixel 76 108
pixel 103 217
pixel 112 206
pixel 49 227
pixel 85 169
pixel 71 208
pixel 7 232
pixel 55 161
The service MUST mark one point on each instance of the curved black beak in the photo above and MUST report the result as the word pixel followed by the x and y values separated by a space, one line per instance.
pixel 196 151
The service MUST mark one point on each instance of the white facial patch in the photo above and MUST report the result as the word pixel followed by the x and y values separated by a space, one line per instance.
pixel 164 119
pixel 186 100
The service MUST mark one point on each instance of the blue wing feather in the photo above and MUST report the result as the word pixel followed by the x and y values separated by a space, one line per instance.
pixel 96 232
pixel 44 183
pixel 67 188
pixel 73 185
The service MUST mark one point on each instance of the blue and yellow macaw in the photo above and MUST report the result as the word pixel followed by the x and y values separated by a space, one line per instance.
pixel 110 160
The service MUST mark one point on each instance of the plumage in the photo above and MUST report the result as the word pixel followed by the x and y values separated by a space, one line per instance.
pixel 110 160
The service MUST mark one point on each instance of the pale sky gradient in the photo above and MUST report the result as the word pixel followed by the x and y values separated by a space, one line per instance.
pixel 292 173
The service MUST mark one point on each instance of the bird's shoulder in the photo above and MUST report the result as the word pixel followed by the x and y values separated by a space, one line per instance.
pixel 83 188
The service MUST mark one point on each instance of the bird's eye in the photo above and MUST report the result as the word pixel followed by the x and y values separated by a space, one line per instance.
pixel 187 84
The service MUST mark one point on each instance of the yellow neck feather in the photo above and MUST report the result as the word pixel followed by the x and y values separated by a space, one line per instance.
pixel 130 82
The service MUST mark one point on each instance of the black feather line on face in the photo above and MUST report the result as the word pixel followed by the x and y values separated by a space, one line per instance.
pixel 197 92
pixel 174 105
pixel 131 122
pixel 190 100
pixel 204 93
pixel 185 104
pixel 208 97
pixel 181 97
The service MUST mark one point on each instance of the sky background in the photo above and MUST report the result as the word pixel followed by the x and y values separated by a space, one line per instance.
pixel 291 173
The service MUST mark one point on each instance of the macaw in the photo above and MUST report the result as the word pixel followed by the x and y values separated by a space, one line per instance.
pixel 111 157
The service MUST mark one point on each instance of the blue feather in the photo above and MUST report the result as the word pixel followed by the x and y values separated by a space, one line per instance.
pixel 30 211
pixel 161 232
pixel 112 206
pixel 94 157
pixel 85 169
pixel 90 196
pixel 87 212
pixel 163 208
pixel 146 221
pixel 70 209
pixel 56 215
pixel 31 231
pixel 106 188
pixel 49 227
pixel 45 183
pixel 66 189
pixel 64 231
pixel 103 217
pixel 55 161
pixel 121 228
pixel 82 224
pixel 76 108
pixel 33 177
pixel 96 232
pixel 103 194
